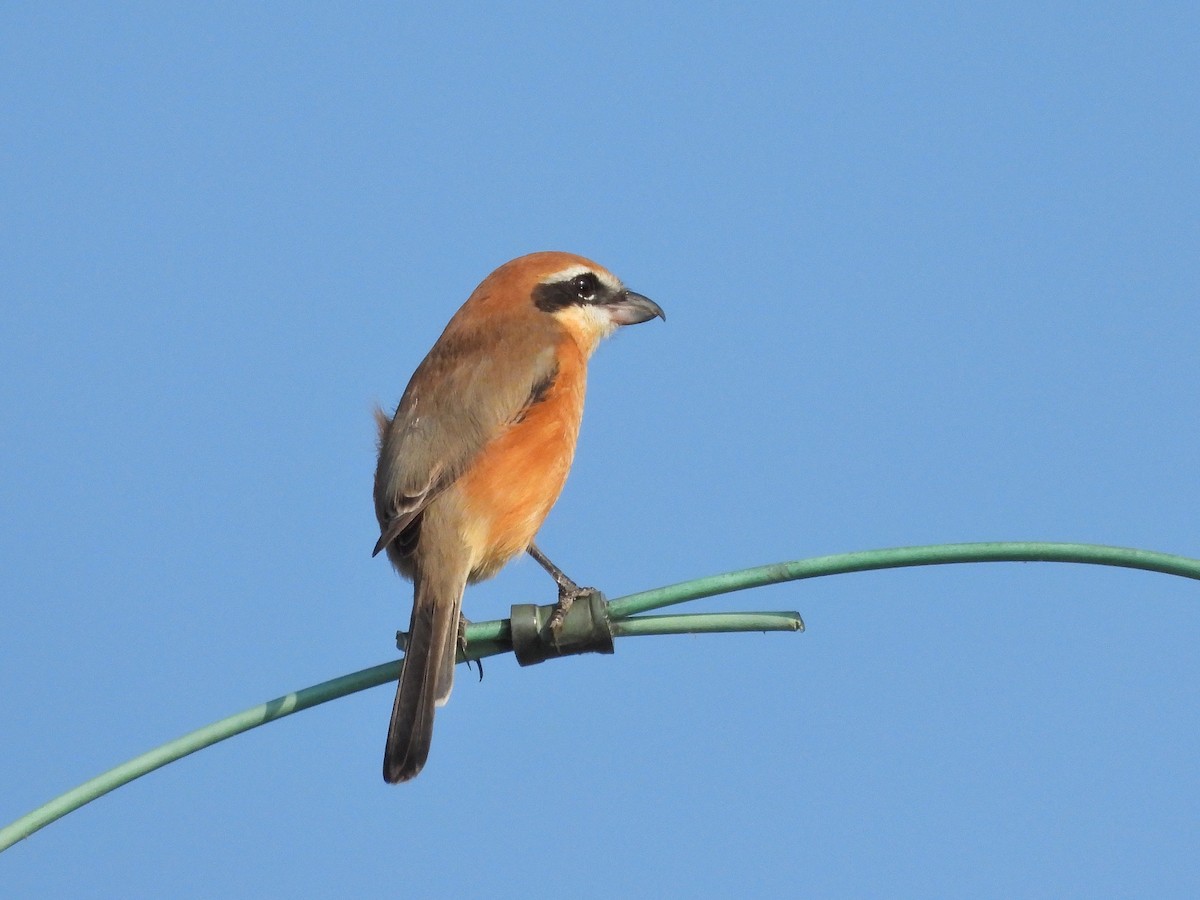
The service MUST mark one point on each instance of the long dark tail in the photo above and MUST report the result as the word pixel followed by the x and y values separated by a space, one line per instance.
pixel 426 677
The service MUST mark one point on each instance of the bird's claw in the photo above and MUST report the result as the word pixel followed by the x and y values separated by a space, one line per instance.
pixel 462 646
pixel 567 595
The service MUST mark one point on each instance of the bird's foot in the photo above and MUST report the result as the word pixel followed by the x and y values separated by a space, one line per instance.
pixel 463 622
pixel 568 593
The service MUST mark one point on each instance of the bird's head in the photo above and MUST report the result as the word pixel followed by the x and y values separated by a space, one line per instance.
pixel 586 299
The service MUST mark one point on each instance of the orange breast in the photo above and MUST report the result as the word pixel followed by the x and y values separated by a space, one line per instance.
pixel 509 489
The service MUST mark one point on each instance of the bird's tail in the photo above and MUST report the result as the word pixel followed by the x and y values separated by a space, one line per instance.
pixel 426 677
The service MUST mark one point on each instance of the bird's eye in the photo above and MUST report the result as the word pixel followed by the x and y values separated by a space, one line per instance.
pixel 585 286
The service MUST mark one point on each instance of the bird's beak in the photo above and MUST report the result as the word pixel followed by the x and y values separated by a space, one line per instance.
pixel 629 308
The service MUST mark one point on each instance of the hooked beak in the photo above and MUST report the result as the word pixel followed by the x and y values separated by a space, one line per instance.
pixel 629 308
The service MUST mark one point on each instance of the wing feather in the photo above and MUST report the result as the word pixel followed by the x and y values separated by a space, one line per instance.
pixel 472 385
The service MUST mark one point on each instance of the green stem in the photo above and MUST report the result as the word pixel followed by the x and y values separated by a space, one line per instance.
pixel 900 557
pixel 707 623
pixel 490 638
pixel 193 741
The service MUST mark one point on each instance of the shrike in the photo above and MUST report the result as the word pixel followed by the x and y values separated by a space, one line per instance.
pixel 477 453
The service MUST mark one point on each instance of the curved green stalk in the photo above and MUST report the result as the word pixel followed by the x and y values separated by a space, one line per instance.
pixel 193 741
pixel 490 638
pixel 900 557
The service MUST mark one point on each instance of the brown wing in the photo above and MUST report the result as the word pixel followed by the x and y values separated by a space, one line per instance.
pixel 473 383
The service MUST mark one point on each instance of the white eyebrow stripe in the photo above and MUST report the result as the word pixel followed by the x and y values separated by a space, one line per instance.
pixel 573 271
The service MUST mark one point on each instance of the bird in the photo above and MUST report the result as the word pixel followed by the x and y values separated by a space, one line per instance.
pixel 476 454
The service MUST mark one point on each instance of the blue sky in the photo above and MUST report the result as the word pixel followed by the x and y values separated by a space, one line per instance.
pixel 931 276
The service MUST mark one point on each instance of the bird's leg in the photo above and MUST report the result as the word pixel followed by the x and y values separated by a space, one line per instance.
pixel 568 590
pixel 463 622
